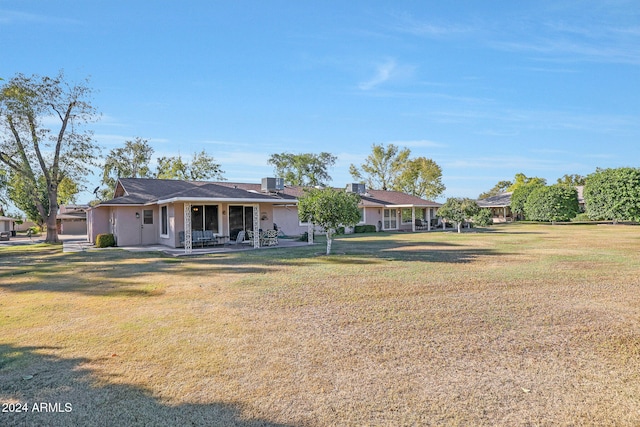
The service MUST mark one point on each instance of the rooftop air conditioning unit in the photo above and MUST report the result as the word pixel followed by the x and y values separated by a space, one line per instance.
pixel 272 185
pixel 356 188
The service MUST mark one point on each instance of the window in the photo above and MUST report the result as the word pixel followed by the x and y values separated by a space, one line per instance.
pixel 164 218
pixel 362 219
pixel 147 216
pixel 204 217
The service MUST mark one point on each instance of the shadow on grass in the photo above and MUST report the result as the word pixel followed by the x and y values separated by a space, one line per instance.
pixel 352 251
pixel 118 273
pixel 109 273
pixel 72 396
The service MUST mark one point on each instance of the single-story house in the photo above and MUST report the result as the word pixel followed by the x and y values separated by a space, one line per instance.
pixel 500 205
pixel 72 219
pixel 7 225
pixel 172 212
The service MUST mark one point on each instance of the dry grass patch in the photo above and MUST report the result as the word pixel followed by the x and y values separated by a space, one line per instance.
pixel 523 325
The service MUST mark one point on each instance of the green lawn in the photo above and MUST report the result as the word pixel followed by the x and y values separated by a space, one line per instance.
pixel 515 325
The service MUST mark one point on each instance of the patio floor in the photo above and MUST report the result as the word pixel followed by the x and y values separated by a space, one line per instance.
pixel 282 243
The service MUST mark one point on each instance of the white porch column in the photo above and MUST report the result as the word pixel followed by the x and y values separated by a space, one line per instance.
pixel 413 218
pixel 429 219
pixel 505 214
pixel 256 226
pixel 187 229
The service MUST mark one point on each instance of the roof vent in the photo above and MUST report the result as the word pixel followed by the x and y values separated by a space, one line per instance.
pixel 356 188
pixel 272 185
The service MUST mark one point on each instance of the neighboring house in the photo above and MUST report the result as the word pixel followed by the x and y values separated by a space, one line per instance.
pixel 500 205
pixel 158 211
pixel 72 219
pixel 7 224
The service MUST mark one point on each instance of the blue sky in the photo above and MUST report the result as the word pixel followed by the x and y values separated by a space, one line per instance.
pixel 487 89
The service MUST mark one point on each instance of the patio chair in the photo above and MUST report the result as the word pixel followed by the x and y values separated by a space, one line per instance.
pixel 239 238
pixel 249 235
pixel 209 238
pixel 269 238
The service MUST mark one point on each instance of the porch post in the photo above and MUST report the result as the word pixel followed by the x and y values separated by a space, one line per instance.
pixel 256 226
pixel 413 218
pixel 428 219
pixel 505 214
pixel 187 229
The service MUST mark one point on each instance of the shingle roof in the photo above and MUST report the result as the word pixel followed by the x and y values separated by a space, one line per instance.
pixel 390 198
pixel 499 201
pixel 138 191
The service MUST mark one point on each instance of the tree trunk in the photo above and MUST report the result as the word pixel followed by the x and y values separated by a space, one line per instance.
pixel 460 227
pixel 52 216
pixel 52 228
pixel 328 242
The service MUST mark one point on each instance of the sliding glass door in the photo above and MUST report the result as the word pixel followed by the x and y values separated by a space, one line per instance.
pixel 240 218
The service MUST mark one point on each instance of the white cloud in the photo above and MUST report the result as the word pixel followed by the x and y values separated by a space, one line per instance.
pixel 383 73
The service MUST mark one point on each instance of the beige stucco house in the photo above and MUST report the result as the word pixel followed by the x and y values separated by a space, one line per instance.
pixel 171 212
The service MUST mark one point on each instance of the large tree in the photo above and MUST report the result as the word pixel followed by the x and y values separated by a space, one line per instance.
pixel 130 161
pixel 202 167
pixel 329 209
pixel 572 180
pixel 521 180
pixel 306 169
pixel 420 177
pixel 552 203
pixel 499 188
pixel 382 167
pixel 44 138
pixel 21 193
pixel 613 194
pixel 459 210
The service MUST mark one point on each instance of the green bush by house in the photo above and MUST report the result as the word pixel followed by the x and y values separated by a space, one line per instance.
pixel 105 240
pixel 364 229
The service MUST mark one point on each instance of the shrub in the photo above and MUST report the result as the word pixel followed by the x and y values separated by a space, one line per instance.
pixel 613 194
pixel 581 217
pixel 105 240
pixel 340 230
pixel 365 229
pixel 553 203
pixel 304 237
pixel 483 218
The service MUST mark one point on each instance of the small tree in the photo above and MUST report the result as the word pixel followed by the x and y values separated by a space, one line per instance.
pixel 329 209
pixel 458 210
pixel 553 203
